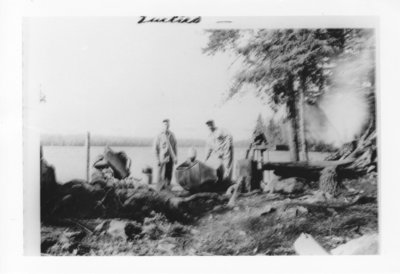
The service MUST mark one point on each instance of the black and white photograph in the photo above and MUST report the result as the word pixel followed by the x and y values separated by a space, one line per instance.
pixel 201 136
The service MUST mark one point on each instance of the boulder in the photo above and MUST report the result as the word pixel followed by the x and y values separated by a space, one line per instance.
pixel 365 245
pixel 286 186
pixel 47 243
pixel 307 245
pixel 153 231
pixel 292 212
pixel 132 229
pixel 267 210
pixel 114 228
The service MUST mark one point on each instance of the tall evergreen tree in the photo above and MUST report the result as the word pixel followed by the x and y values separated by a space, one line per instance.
pixel 289 65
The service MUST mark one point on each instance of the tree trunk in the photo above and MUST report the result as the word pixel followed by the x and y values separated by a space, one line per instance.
pixel 296 128
pixel 292 140
pixel 301 126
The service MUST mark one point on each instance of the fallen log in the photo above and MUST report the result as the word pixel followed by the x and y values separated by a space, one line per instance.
pixel 307 165
pixel 308 169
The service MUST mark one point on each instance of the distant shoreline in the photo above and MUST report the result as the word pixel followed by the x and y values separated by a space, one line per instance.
pixel 128 145
pixel 100 140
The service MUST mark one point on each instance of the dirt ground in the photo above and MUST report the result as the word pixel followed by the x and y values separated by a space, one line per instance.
pixel 259 224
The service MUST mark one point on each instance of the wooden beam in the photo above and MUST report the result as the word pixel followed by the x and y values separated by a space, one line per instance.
pixel 309 165
pixel 309 170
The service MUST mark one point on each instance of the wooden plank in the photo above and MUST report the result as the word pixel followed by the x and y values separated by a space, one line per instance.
pixel 309 170
pixel 308 165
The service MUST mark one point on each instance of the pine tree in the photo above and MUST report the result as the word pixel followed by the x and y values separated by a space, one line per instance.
pixel 288 65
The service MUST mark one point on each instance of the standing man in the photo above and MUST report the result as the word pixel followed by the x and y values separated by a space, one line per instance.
pixel 166 155
pixel 220 143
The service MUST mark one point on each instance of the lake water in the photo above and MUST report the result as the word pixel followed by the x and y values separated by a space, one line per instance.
pixel 70 161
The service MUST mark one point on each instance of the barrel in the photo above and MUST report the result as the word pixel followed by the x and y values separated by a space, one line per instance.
pixel 194 176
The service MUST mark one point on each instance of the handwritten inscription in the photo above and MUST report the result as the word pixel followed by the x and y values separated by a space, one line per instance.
pixel 172 19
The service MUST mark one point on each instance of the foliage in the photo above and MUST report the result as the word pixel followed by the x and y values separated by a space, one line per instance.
pixel 297 66
pixel 275 61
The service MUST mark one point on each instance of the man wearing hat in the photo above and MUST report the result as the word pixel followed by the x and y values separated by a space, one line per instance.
pixel 165 147
pixel 220 143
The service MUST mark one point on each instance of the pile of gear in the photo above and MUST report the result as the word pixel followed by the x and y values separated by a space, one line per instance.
pixel 112 193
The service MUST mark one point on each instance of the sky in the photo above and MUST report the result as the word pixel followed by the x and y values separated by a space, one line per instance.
pixel 112 76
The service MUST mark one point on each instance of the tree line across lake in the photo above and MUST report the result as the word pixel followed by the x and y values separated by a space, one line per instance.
pixel 100 140
pixel 273 130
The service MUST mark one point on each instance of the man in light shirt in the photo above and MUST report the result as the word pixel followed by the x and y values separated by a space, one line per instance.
pixel 220 143
pixel 165 147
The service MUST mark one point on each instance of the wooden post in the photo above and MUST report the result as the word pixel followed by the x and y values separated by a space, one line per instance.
pixel 87 144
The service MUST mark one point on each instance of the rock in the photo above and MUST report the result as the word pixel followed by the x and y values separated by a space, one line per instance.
pixel 301 210
pixel 64 242
pixel 103 226
pixel 268 209
pixel 116 229
pixel 153 231
pixel 307 245
pixel 288 213
pixel 79 249
pixel 166 247
pixel 365 245
pixel 334 241
pixel 177 230
pixel 317 197
pixel 292 212
pixel 47 243
pixel 132 229
pixel 77 236
pixel 285 186
pixel 68 240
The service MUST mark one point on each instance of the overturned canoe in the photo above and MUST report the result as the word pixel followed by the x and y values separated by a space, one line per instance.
pixel 195 176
